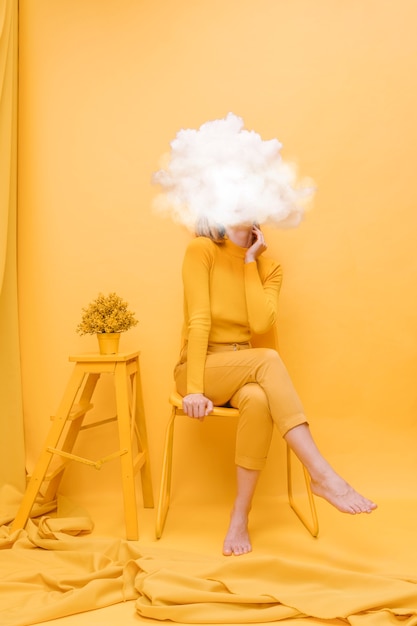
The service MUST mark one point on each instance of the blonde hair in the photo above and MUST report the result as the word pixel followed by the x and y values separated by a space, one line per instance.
pixel 215 232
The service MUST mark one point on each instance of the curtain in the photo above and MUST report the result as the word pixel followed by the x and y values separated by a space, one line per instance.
pixel 12 453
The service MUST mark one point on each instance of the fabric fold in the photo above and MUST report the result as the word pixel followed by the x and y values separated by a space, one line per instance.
pixel 47 575
pixel 264 587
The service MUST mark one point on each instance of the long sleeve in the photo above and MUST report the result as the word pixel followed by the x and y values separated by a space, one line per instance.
pixel 196 273
pixel 262 295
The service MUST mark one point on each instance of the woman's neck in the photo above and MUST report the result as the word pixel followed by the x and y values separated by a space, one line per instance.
pixel 240 235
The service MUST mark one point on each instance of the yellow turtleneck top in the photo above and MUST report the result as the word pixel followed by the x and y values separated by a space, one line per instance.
pixel 225 300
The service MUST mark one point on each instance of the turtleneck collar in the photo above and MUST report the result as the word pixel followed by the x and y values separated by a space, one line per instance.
pixel 234 249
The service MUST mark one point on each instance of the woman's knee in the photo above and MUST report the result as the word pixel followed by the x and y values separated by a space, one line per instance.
pixel 251 396
pixel 271 368
pixel 271 356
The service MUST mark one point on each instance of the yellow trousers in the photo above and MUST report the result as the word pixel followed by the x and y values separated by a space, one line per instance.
pixel 255 381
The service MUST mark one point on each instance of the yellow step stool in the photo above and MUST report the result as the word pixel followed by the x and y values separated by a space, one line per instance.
pixel 68 422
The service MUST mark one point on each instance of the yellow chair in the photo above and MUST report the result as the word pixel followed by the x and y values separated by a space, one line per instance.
pixel 220 411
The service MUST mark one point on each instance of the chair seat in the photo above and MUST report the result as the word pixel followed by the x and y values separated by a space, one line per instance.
pixel 175 400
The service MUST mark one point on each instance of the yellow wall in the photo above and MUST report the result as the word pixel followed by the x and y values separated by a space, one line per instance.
pixel 104 87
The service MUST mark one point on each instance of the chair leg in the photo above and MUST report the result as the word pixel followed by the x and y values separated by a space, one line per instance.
pixel 313 525
pixel 165 488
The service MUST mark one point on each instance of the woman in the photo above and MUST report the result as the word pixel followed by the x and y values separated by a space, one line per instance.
pixel 231 291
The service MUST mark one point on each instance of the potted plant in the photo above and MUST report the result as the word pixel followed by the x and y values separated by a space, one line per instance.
pixel 106 317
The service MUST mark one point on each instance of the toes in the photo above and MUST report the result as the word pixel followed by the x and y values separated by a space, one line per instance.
pixel 236 550
pixel 343 497
pixel 360 505
pixel 239 550
pixel 227 551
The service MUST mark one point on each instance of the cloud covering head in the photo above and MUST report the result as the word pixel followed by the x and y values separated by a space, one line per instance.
pixel 226 175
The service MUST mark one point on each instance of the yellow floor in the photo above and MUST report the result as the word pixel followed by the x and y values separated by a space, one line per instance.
pixel 384 542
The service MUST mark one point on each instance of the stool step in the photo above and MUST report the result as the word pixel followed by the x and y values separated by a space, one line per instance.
pixel 99 423
pixel 51 475
pixel 58 470
pixel 76 412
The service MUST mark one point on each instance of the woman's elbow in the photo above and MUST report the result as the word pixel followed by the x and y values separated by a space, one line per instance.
pixel 260 327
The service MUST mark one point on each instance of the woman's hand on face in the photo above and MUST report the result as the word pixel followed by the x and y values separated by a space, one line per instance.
pixel 196 405
pixel 257 247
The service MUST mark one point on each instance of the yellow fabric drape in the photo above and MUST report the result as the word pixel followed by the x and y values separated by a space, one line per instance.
pixel 12 457
pixel 69 575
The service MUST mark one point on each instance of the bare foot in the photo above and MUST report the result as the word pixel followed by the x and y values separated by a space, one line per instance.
pixel 341 495
pixel 237 540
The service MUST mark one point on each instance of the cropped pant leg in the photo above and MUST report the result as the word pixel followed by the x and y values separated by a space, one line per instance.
pixel 254 430
pixel 226 373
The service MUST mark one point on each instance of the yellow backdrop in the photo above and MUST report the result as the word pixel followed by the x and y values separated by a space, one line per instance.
pixel 104 87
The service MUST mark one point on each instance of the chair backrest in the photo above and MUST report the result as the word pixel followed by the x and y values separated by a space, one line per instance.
pixel 267 340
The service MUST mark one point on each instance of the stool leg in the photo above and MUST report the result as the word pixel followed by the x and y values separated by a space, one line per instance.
pixel 54 435
pixel 126 458
pixel 139 417
pixel 73 431
pixel 313 526
pixel 165 487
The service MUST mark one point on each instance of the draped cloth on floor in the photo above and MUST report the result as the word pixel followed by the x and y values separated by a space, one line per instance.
pixel 54 569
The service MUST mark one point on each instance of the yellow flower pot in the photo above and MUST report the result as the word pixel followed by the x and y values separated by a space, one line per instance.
pixel 108 343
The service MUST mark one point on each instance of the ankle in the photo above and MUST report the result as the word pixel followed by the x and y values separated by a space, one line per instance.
pixel 240 512
pixel 322 472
